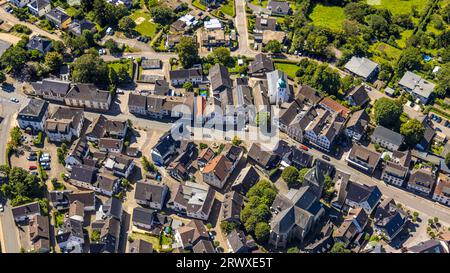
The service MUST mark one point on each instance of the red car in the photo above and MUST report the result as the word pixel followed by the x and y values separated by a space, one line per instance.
pixel 303 147
pixel 32 168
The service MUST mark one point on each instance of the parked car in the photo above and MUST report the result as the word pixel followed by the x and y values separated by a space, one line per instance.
pixel 34 173
pixel 14 100
pixel 33 154
pixel 31 158
pixel 46 167
pixel 44 159
pixel 1 208
pixel 303 147
pixel 327 158
pixel 32 168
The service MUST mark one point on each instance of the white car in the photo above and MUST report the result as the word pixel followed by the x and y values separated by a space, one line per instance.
pixel 1 208
pixel 14 100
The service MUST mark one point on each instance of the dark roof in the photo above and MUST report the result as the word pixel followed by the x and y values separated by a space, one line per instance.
pixel 389 217
pixel 150 192
pixel 361 153
pixel 88 92
pixel 360 193
pixel 219 77
pixel 245 180
pixel 58 15
pixel 430 246
pixel 301 158
pixel 193 232
pixel 83 173
pixel 142 215
pixel 113 207
pixel 203 246
pixel 265 24
pixel 185 73
pixel 279 6
pixel 35 109
pixel 39 4
pixel 140 246
pixel 359 95
pixel 423 178
pixel 358 121
pixel 85 197
pixel 78 26
pixel 106 181
pixel 309 94
pixel 51 86
pixel 26 209
pixel 388 135
pixel 137 100
pixel 261 63
pixel 261 156
pixel 236 239
pixel 39 43
pixel 161 88
pixel 232 205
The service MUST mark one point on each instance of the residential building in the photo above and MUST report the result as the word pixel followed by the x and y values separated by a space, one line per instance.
pixel 298 158
pixel 205 156
pixel 417 86
pixel 76 27
pixel 262 157
pixel 58 18
pixel 85 197
pixel 358 96
pixel 387 138
pixel 180 167
pixel 203 246
pixel 102 127
pixel 165 148
pixel 422 181
pixel 265 23
pixel 70 237
pixel 363 68
pixel 20 3
pixel 396 168
pixel 278 7
pixel 324 129
pixel 137 104
pixel 140 246
pixel 78 151
pixel 357 125
pixel 295 215
pixel 110 145
pixel 33 115
pixel 119 164
pixel 39 7
pixel 51 89
pixel 217 171
pixel 189 235
pixel 88 96
pixel 59 199
pixel 354 195
pixel 109 230
pixel 39 231
pixel 279 90
pixel 142 218
pixel 179 77
pixel 245 180
pixel 214 38
pixel 334 107
pixel 26 211
pixel 430 246
pixel 364 159
pixel 353 224
pixel 151 194
pixel 389 219
pixel 236 241
pixel 39 43
pixel 261 65
pixel 442 191
pixel 220 79
pixel 192 199
pixel 231 206
pixel 64 124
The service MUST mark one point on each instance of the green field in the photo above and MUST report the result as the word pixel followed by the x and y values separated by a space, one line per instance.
pixel 143 24
pixel 385 51
pixel 399 6
pixel 263 3
pixel 228 8
pixel 197 4
pixel 289 69
pixel 71 11
pixel 405 35
pixel 327 16
pixel 117 65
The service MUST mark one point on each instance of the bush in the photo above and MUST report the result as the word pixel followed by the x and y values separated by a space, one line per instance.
pixel 38 141
pixel 290 175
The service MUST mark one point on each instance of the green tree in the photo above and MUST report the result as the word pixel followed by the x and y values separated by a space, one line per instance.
pixel 236 141
pixel 127 25
pixel 339 248
pixel 187 51
pixel 273 46
pixel 413 131
pixel 14 58
pixel 162 15
pixel 410 60
pixel 443 80
pixel 447 159
pixel 53 60
pixel 387 112
pixel 112 46
pixel 301 174
pixel 89 68
pixel 293 249
pixel 16 136
pixel 227 226
pixel 188 86
pixel 222 56
pixel 250 224
pixel 290 176
pixel 262 231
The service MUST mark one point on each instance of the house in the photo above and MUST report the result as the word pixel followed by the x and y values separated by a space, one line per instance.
pixel 262 157
pixel 51 89
pixel 33 115
pixel 112 208
pixel 84 176
pixel 77 27
pixel 192 199
pixel 109 230
pixel 58 18
pixel 245 180
pixel 106 184
pixel 205 156
pixel 426 141
pixel 39 231
pixel 64 124
pixel 151 64
pixel 430 246
pixel 110 145
pixel 236 241
pixel 396 168
pixel 180 76
pixel 214 38
pixel 294 216
pixel 151 194
pixel 324 129
pixel 315 177
pixel 212 24
pixel 76 211
pixel 88 96
pixel 191 233
pixel 354 195
pixel 363 159
pixel 389 219
pixel 442 191
pixel 59 199
pixel 172 40
pixel 119 164
pixel 261 65
pixel 298 158
pixel 85 197
pixel 294 118
pixel 418 87
pixel 387 138
pixel 220 79
pixel 70 237
pixel 334 107
pixel 231 206
pixel 39 43
pixel 140 246
pixel 20 3
pixel 164 149
pixel 358 96
pixel 278 7
pixel 362 67
pixel 217 171
pixel 137 104
pixel 357 125
pixel 102 127
pixel 279 90
pixel 142 218
pixel 39 7
pixel 180 167
pixel 78 151
pixel 353 224
pixel 203 246
pixel 26 211
pixel 422 181
pixel 264 23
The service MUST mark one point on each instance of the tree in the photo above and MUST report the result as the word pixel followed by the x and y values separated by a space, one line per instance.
pixel 273 46
pixel 293 249
pixel 14 58
pixel 290 176
pixel 187 51
pixel 339 248
pixel 445 12
pixel 250 224
pixel 127 25
pixel 410 60
pixel 53 60
pixel 16 136
pixel 447 159
pixel 112 46
pixel 2 77
pixel 236 141
pixel 222 56
pixel 413 131
pixel 387 112
pixel 227 226
pixel 443 80
pixel 162 15
pixel 89 68
pixel 262 231
pixel 188 86
pixel 58 46
pixel 301 174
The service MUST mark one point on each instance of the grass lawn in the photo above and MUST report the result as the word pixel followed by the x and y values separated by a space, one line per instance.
pixel 405 35
pixel 228 8
pixel 143 24
pixel 151 239
pixel 289 69
pixel 399 6
pixel 386 51
pixel 327 16
pixel 117 65
pixel 263 3
pixel 197 4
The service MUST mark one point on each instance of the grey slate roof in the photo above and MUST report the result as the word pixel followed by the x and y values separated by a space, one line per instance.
pixel 83 173
pixel 142 215
pixel 26 209
pixel 417 84
pixel 261 63
pixel 34 110
pixel 388 135
pixel 362 67
pixel 52 86
pixel 39 43
pixel 219 77
pixel 150 192
pixel 88 92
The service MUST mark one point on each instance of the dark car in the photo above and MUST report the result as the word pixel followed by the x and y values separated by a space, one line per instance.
pixel 327 158
pixel 32 158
